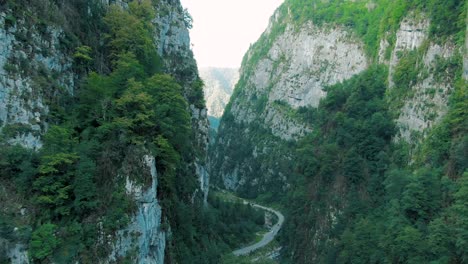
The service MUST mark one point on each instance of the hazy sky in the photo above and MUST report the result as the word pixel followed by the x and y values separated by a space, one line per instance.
pixel 224 29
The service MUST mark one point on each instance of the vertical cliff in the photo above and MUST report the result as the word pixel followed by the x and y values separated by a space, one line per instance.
pixel 281 74
pixel 298 57
pixel 114 196
pixel 349 113
pixel 32 67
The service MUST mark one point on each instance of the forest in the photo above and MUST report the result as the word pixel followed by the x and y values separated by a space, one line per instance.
pixel 126 107
pixel 352 188
pixel 394 210
pixel 358 192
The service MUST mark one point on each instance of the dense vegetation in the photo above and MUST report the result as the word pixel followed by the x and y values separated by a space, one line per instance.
pixel 67 200
pixel 369 20
pixel 386 211
pixel 358 192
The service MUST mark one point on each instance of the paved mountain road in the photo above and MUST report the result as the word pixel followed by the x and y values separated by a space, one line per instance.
pixel 268 237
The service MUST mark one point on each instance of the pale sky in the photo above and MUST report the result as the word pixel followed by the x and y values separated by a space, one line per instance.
pixel 224 29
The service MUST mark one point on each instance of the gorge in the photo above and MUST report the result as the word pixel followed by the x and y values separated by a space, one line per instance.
pixel 347 117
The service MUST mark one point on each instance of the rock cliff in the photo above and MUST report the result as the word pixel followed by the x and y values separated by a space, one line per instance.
pixel 291 66
pixel 292 132
pixel 38 68
pixel 144 234
pixel 31 67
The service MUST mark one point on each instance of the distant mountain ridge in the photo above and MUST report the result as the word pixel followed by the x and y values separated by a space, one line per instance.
pixel 219 84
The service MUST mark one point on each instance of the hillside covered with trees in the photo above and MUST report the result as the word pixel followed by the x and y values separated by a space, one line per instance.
pixel 365 149
pixel 113 173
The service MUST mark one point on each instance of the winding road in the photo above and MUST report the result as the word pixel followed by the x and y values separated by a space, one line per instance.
pixel 268 237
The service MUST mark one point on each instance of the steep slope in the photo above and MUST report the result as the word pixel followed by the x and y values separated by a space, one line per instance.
pixel 219 84
pixel 351 113
pixel 88 184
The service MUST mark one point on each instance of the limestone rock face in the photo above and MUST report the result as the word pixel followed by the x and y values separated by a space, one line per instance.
pixel 30 69
pixel 34 68
pixel 310 60
pixel 429 100
pixel 144 234
pixel 288 71
pixel 17 253
pixel 291 74
pixel 173 41
pixel 299 65
pixel 219 85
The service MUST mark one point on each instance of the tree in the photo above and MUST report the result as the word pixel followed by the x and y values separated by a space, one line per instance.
pixel 53 185
pixel 173 119
pixel 131 32
pixel 56 171
pixel 188 20
pixel 44 241
pixel 84 187
pixel 422 197
pixel 83 57
pixel 134 109
pixel 458 215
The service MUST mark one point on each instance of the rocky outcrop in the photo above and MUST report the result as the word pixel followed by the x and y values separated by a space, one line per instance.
pixel 296 69
pixel 16 253
pixel 219 85
pixel 411 35
pixel 143 237
pixel 307 61
pixel 31 67
pixel 35 68
pixel 428 99
pixel 273 87
pixel 284 75
pixel 204 180
pixel 173 42
pixel 285 72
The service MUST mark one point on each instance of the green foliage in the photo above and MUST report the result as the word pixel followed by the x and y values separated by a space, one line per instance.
pixel 447 17
pixel 422 196
pixel 171 110
pixel 131 32
pixel 458 213
pixel 44 241
pixel 391 210
pixel 188 20
pixel 82 57
pixel 84 187
pixel 225 226
pixel 371 21
pixel 196 94
pixel 356 195
pixel 98 137
pixel 14 130
pixel 240 149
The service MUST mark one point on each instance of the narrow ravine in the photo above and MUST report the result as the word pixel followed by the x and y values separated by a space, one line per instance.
pixel 268 237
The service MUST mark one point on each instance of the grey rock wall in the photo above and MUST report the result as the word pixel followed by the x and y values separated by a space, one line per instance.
pixel 429 95
pixel 301 62
pixel 144 235
pixel 298 66
pixel 30 68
